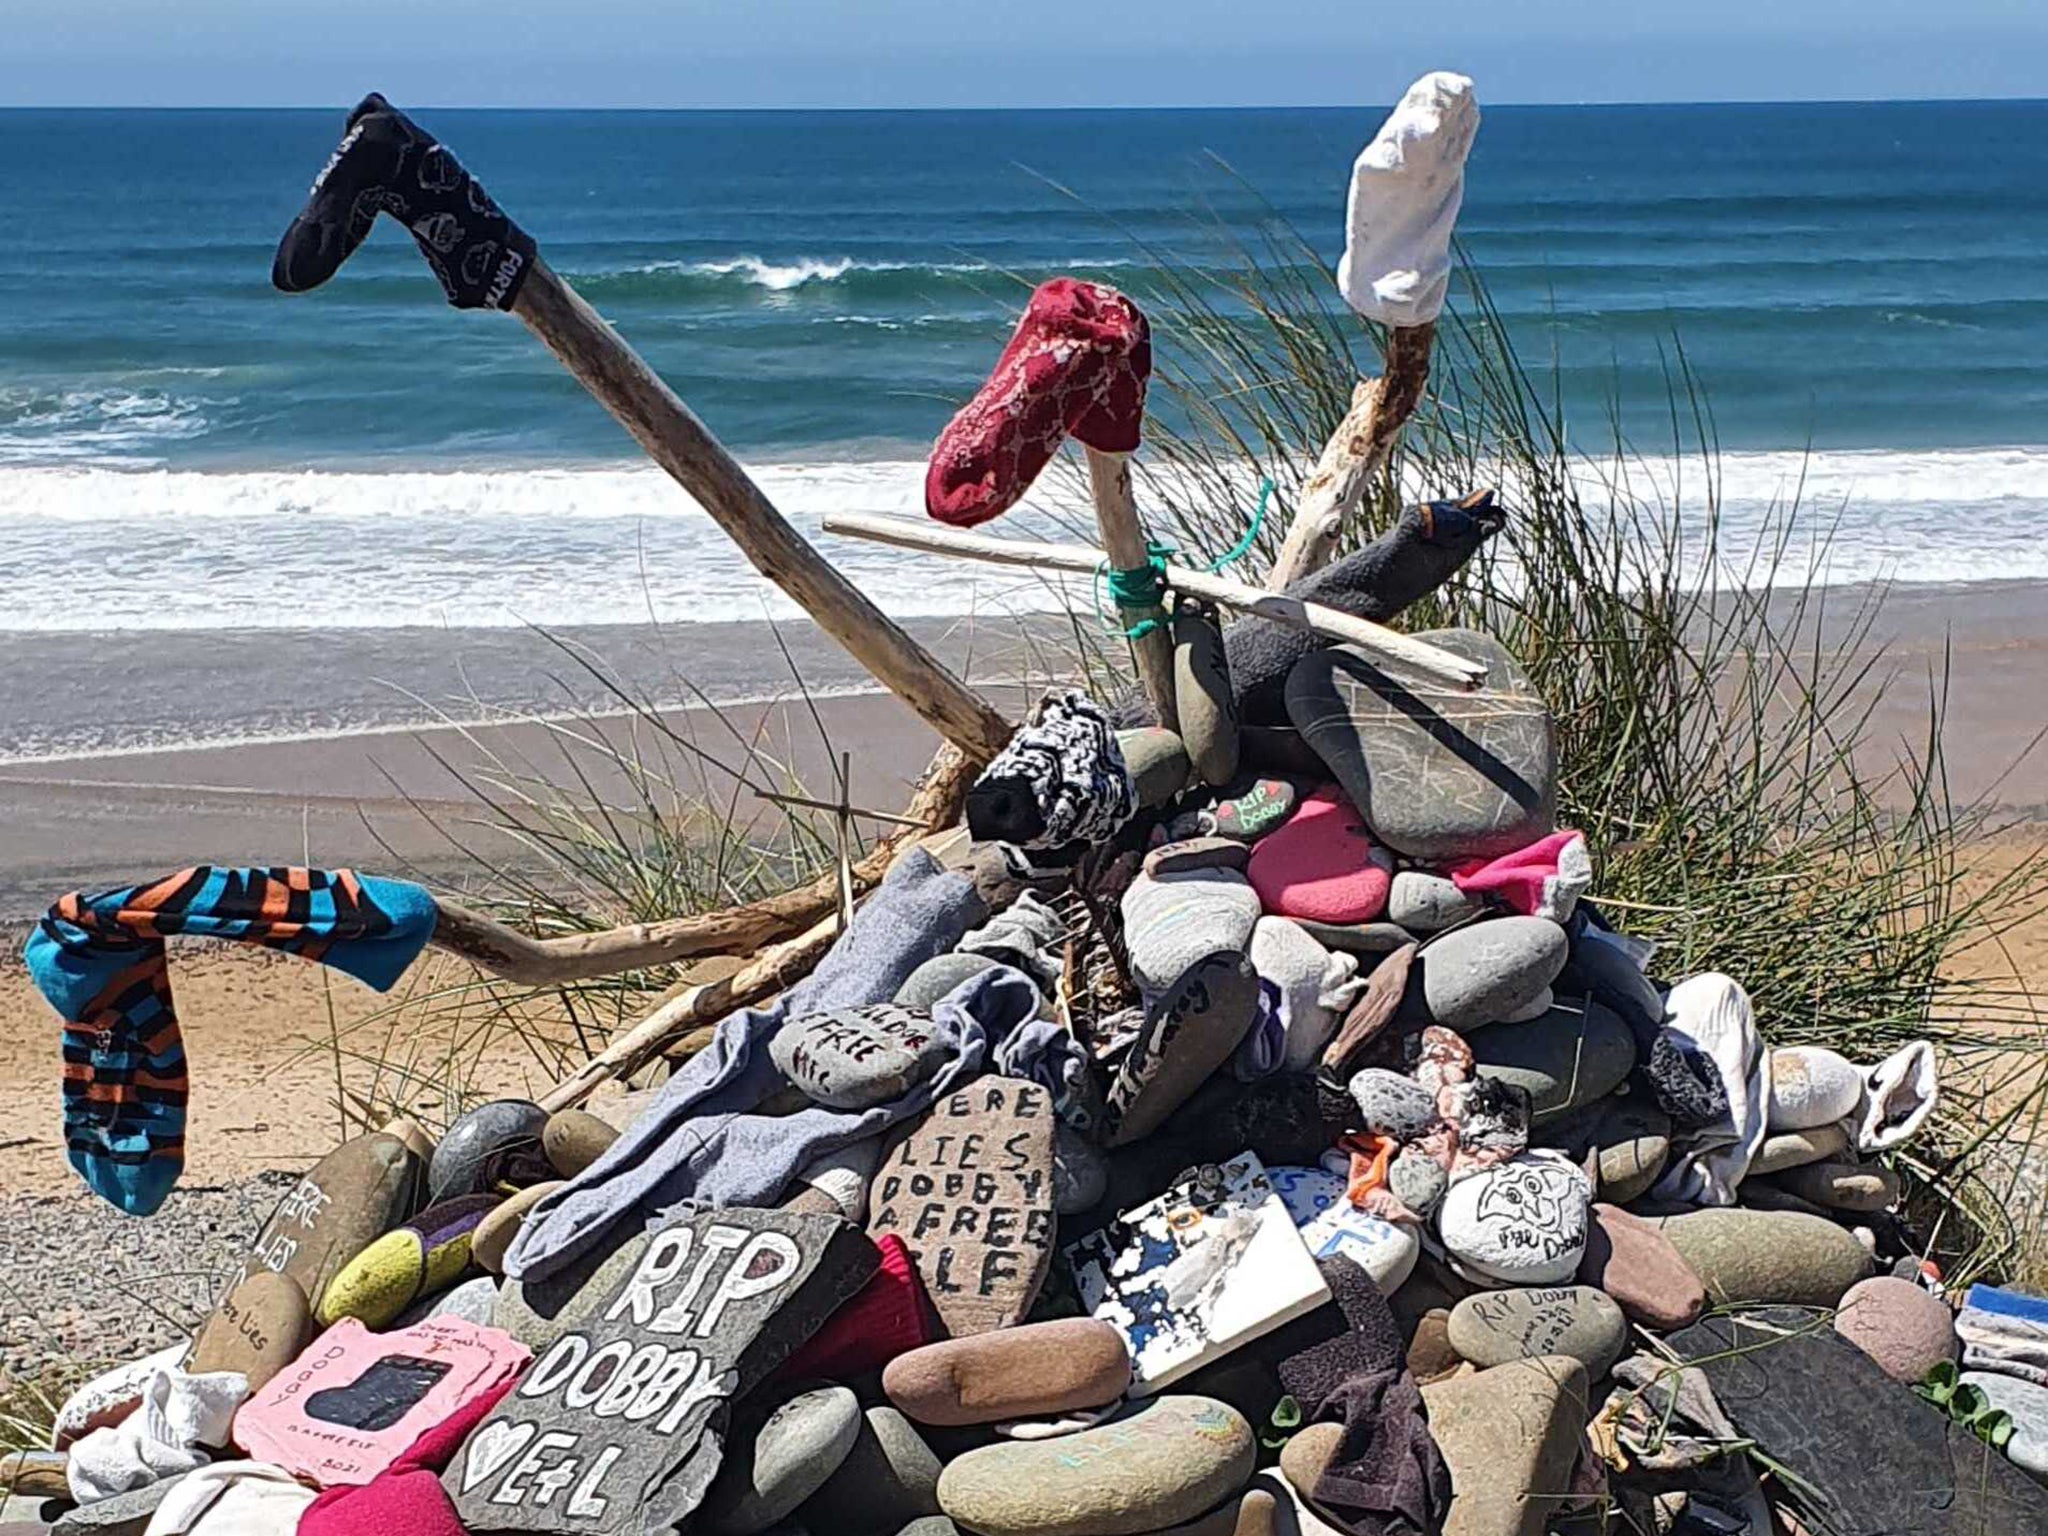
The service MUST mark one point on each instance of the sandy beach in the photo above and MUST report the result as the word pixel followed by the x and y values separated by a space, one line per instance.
pixel 267 1036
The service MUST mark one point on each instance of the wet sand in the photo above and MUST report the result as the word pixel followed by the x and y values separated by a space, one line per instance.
pixel 273 1041
pixel 358 773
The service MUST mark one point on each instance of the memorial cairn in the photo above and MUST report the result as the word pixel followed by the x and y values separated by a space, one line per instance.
pixel 1221 1108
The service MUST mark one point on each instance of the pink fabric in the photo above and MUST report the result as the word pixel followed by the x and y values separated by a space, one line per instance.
pixel 887 1317
pixel 1531 880
pixel 1321 864
pixel 278 1425
pixel 407 1495
pixel 1077 363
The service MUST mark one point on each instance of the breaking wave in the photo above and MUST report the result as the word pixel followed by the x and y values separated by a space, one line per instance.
pixel 168 550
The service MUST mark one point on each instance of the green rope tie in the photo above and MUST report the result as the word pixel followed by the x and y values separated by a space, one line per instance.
pixel 1143 587
pixel 1238 550
pixel 1140 588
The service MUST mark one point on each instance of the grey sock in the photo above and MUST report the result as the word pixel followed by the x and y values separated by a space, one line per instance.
pixel 1028 936
pixel 703 1139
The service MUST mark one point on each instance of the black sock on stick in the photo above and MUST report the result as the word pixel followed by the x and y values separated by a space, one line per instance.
pixel 385 163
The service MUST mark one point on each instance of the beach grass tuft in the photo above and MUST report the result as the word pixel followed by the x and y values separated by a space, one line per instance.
pixel 1714 708
pixel 1714 704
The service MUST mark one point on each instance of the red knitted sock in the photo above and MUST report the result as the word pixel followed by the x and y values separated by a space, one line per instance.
pixel 887 1317
pixel 1077 364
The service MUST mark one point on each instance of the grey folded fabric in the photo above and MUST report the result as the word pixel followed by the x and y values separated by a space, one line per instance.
pixel 702 1141
pixel 1027 935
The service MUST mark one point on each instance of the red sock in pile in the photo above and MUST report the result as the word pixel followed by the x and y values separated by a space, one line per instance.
pixel 1077 364
pixel 887 1317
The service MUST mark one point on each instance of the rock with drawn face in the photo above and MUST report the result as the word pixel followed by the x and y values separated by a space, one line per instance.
pixel 1522 1223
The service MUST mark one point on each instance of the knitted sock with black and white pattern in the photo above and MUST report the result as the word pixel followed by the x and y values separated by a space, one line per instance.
pixel 386 163
pixel 1061 779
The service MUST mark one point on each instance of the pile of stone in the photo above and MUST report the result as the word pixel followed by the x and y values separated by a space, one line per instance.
pixel 1248 1129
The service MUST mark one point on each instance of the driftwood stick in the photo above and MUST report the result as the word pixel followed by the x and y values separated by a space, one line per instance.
pixel 1123 541
pixel 681 444
pixel 492 946
pixel 1356 451
pixel 1433 662
pixel 696 1007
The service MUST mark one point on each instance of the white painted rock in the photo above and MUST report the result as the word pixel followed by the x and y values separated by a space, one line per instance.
pixel 1522 1223
pixel 1812 1086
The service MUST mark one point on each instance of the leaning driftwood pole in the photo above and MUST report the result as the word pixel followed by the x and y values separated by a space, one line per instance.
pixel 1124 542
pixel 1431 661
pixel 697 1006
pixel 385 162
pixel 1406 187
pixel 1357 450
pixel 681 444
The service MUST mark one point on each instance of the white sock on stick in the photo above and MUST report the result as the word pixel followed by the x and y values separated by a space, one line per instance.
pixel 1406 187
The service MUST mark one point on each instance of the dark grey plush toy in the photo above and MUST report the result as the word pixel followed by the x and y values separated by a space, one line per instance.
pixel 1427 545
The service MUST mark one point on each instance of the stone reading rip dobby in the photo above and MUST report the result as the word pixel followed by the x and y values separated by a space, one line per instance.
pixel 969 1190
pixel 619 1426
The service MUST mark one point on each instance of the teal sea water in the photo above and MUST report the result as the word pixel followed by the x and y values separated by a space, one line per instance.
pixel 183 448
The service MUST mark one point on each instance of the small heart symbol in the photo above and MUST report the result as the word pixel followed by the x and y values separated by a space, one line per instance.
pixel 491 1447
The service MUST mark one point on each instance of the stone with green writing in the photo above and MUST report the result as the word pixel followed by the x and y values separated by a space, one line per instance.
pixel 969 1190
pixel 619 1427
pixel 1245 812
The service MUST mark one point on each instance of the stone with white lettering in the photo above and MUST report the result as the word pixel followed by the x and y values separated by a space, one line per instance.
pixel 619 1427
pixel 852 1058
pixel 969 1190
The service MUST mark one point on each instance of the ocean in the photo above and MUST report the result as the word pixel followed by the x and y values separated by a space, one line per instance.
pixel 1859 288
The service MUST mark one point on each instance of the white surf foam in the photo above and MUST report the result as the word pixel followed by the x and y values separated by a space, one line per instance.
pixel 797 272
pixel 85 547
pixel 102 424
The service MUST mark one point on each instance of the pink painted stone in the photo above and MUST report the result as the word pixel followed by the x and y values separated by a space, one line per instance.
pixel 354 1400
pixel 1323 864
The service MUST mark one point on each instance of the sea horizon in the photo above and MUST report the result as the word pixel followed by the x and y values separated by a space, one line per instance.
pixel 412 105
pixel 184 451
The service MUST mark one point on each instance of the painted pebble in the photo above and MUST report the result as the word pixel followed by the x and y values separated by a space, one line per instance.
pixel 1495 1327
pixel 1159 1465
pixel 1523 1222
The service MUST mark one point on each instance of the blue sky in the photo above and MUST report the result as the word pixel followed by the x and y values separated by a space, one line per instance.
pixel 904 53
